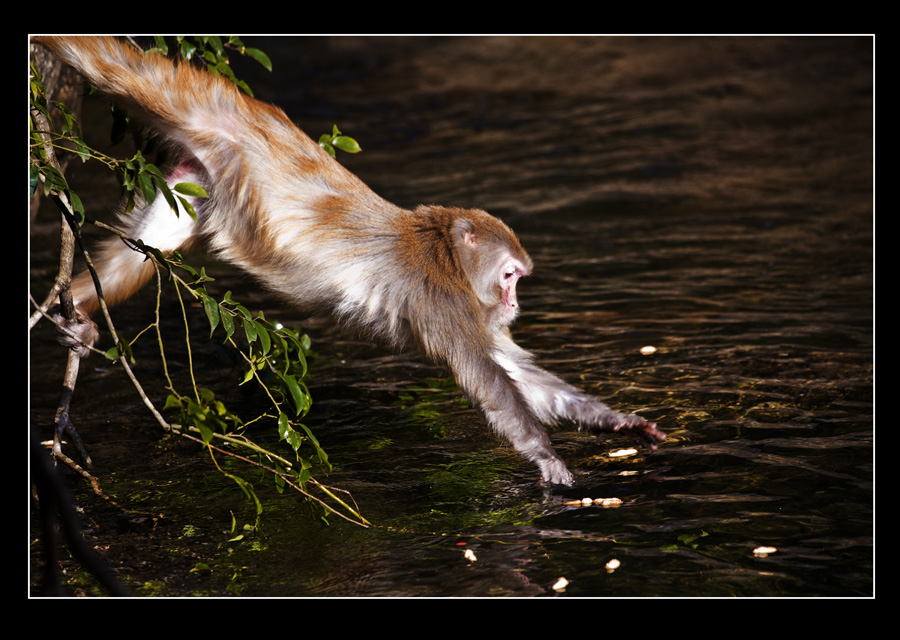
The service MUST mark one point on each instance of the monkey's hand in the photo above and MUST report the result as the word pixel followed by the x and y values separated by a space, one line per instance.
pixel 79 336
pixel 642 432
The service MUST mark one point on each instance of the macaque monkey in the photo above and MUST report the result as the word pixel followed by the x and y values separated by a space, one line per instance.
pixel 440 278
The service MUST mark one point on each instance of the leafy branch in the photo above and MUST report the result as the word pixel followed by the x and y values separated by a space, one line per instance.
pixel 337 140
pixel 214 52
pixel 275 357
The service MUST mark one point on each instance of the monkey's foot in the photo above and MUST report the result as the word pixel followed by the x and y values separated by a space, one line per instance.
pixel 79 336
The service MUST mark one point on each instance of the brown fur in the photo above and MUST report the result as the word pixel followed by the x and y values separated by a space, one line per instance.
pixel 442 278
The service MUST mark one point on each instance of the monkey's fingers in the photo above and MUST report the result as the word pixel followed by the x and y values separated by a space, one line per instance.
pixel 643 433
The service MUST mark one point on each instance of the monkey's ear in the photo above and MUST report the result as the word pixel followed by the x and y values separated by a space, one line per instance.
pixel 464 232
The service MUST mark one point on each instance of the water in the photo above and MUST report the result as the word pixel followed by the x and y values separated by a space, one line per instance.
pixel 710 197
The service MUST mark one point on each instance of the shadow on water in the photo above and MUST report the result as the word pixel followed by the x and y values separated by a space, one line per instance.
pixel 710 197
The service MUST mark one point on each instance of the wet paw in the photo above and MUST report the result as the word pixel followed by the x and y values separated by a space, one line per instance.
pixel 554 471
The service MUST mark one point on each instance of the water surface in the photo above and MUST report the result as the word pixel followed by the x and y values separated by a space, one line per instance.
pixel 711 197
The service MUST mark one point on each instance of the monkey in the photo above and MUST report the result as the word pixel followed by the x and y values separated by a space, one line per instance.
pixel 280 207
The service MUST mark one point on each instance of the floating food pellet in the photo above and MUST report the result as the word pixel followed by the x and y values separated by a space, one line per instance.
pixel 648 350
pixel 612 565
pixel 622 452
pixel 469 555
pixel 762 552
pixel 560 585
pixel 586 502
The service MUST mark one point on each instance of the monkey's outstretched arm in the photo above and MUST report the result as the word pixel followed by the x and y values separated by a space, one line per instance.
pixel 555 401
pixel 512 417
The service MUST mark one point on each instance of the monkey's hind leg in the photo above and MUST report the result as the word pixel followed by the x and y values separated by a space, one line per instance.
pixel 122 269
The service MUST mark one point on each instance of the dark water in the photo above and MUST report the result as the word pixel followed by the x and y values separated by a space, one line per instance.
pixel 711 197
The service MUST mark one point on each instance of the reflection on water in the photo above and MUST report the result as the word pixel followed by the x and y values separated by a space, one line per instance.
pixel 707 196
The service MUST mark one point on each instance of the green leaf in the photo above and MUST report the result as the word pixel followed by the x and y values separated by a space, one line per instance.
pixel 190 189
pixel 189 208
pixel 294 439
pixel 205 432
pixel 187 49
pixel 34 179
pixel 265 342
pixel 247 488
pixel 259 56
pixel 211 308
pixel 282 345
pixel 53 180
pixel 153 170
pixel 147 186
pixel 283 425
pixel 215 43
pixel 71 124
pixel 345 143
pixel 163 188
pixel 77 207
pixel 287 433
pixel 82 150
pixel 297 395
pixel 320 452
pixel 190 270
pixel 227 323
pixel 249 329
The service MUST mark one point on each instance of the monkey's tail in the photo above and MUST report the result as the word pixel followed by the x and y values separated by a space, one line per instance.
pixel 172 98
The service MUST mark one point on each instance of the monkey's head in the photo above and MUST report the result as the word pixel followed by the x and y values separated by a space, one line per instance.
pixel 493 260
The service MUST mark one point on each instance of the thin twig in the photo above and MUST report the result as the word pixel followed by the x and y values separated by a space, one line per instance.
pixel 62 284
pixel 362 521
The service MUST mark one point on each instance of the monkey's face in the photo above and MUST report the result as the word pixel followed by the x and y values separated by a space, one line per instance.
pixel 508 274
